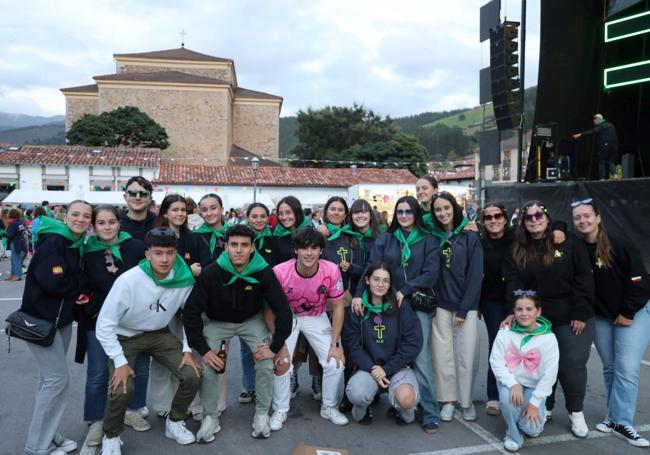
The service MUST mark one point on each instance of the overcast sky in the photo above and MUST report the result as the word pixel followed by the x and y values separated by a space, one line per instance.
pixel 398 57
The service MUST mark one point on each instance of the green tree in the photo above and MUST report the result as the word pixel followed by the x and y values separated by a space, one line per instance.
pixel 401 148
pixel 324 132
pixel 125 126
pixel 91 130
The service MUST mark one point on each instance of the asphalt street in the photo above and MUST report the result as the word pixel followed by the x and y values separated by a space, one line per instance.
pixel 18 376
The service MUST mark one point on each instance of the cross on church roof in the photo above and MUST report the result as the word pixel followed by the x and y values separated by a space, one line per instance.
pixel 183 33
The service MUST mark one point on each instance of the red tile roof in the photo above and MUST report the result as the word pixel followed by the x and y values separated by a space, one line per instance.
pixel 75 155
pixel 444 176
pixel 92 88
pixel 198 174
pixel 162 76
pixel 246 93
pixel 180 53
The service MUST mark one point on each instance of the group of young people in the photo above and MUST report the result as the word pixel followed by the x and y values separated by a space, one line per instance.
pixel 396 311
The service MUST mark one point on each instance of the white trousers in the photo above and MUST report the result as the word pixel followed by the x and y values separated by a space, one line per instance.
pixel 454 386
pixel 318 331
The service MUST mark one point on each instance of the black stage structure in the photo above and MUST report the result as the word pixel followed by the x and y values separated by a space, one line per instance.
pixel 570 89
pixel 623 204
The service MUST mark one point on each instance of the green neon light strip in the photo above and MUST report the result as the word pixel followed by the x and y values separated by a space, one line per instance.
pixel 642 75
pixel 641 28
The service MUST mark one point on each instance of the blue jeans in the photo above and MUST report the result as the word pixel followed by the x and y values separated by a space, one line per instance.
pixel 621 350
pixel 514 415
pixel 247 367
pixel 16 262
pixel 97 381
pixel 493 314
pixel 423 368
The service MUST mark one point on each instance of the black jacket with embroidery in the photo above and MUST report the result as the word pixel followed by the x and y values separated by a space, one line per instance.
pixel 54 276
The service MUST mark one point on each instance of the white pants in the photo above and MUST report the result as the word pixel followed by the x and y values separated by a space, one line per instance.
pixel 449 385
pixel 318 331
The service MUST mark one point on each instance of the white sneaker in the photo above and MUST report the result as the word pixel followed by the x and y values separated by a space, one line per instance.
pixel 135 420
pixel 64 444
pixel 447 412
pixel 277 419
pixel 261 428
pixel 510 445
pixel 470 413
pixel 111 446
pixel 58 452
pixel 493 408
pixel 178 432
pixel 578 425
pixel 95 434
pixel 209 427
pixel 144 411
pixel 332 414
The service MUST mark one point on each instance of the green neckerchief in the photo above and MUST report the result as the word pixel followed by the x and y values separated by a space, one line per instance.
pixel 51 226
pixel 256 264
pixel 442 234
pixel 181 278
pixel 543 329
pixel 375 309
pixel 335 232
pixel 414 237
pixel 266 232
pixel 281 231
pixel 94 244
pixel 206 229
pixel 382 228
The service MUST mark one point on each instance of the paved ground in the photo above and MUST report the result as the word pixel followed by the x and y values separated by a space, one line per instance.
pixel 18 377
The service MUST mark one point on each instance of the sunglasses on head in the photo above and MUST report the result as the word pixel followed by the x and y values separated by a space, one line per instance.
pixel 141 193
pixel 407 212
pixel 495 217
pixel 537 216
pixel 575 204
pixel 162 232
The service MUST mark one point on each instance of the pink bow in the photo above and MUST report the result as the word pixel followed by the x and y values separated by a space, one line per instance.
pixel 530 359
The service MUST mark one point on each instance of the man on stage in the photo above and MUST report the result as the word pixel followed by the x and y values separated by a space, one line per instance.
pixel 607 145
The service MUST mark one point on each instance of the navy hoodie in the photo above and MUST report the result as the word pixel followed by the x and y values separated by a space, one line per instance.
pixel 54 276
pixel 392 341
pixel 137 228
pixel 421 270
pixel 16 236
pixel 459 286
pixel 338 249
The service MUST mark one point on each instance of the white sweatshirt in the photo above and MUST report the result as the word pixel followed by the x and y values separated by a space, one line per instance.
pixel 135 304
pixel 534 365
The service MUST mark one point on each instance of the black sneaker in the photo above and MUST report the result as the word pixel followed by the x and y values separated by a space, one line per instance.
pixel 247 396
pixel 345 405
pixel 293 380
pixel 628 433
pixel 316 388
pixel 367 419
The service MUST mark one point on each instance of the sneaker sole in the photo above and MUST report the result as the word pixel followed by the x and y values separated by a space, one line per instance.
pixel 208 438
pixel 139 429
pixel 335 423
pixel 183 443
pixel 493 412
pixel 447 419
pixel 579 436
pixel 629 441
pixel 603 428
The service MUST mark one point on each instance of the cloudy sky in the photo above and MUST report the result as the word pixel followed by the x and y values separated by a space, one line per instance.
pixel 398 57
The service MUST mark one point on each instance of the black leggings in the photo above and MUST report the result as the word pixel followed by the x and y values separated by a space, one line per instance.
pixel 572 373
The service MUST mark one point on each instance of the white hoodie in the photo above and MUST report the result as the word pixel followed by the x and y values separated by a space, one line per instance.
pixel 533 365
pixel 135 304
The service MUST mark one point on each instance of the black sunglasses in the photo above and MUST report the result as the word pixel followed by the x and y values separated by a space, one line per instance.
pixel 141 193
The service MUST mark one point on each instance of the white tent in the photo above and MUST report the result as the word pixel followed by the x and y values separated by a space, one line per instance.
pixel 33 197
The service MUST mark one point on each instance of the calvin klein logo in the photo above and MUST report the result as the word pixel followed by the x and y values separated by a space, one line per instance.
pixel 157 306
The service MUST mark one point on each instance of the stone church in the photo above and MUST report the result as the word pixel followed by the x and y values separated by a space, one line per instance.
pixel 194 96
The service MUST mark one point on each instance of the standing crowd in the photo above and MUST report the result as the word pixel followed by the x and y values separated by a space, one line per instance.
pixel 373 307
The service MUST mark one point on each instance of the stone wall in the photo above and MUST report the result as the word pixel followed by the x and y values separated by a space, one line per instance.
pixel 256 128
pixel 196 121
pixel 221 73
pixel 75 108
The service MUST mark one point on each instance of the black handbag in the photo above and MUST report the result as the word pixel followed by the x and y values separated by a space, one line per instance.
pixel 31 329
pixel 423 300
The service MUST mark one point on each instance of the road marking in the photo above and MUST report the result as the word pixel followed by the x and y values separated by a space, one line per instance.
pixel 529 442
pixel 12 298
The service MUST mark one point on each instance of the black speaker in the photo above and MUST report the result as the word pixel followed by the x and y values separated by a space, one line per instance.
pixel 627 165
pixel 489 149
pixel 504 75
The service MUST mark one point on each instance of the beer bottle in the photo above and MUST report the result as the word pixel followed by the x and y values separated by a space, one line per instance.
pixel 223 355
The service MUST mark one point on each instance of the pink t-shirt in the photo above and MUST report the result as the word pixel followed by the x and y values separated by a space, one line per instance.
pixel 308 296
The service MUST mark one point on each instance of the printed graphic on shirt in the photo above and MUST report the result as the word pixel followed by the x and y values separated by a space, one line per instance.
pixel 599 262
pixel 530 360
pixel 157 307
pixel 558 254
pixel 342 253
pixel 57 270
